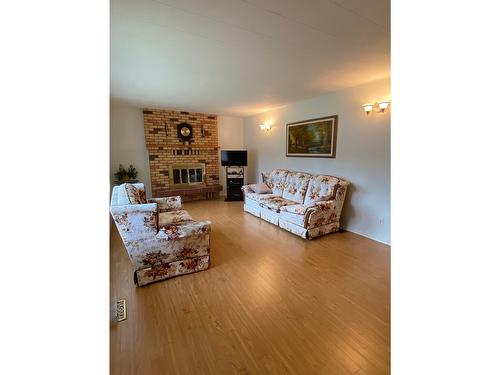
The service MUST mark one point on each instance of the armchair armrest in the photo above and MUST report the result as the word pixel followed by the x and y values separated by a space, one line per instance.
pixel 136 221
pixel 167 203
pixel 182 230
pixel 133 208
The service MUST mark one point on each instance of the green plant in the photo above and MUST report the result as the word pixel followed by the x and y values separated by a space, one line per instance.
pixel 120 175
pixel 124 175
pixel 132 172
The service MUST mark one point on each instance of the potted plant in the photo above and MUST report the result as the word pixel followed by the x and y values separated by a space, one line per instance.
pixel 124 175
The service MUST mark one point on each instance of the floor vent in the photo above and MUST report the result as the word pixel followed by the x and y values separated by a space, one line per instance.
pixel 119 309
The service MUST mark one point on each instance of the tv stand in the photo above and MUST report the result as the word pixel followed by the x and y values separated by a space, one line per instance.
pixel 235 179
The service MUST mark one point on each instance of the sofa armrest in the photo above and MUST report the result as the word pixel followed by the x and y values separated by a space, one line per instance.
pixel 183 230
pixel 323 212
pixel 167 203
pixel 246 189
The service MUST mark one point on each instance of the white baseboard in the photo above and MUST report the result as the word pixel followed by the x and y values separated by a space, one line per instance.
pixel 365 235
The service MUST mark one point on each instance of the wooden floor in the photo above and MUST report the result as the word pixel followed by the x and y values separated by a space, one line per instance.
pixel 270 303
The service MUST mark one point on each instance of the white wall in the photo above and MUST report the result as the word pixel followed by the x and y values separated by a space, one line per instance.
pixel 230 138
pixel 128 144
pixel 363 152
pixel 363 149
pixel 127 141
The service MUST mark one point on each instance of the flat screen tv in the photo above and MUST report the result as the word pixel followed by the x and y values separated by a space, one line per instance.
pixel 233 157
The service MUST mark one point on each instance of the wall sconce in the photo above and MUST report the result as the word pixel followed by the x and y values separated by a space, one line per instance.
pixel 378 107
pixel 266 126
pixel 368 108
pixel 383 105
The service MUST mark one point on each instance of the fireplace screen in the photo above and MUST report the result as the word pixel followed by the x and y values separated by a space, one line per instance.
pixel 187 174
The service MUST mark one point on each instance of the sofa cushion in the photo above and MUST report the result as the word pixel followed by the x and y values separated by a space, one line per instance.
pixel 258 197
pixel 260 188
pixel 173 217
pixel 299 209
pixel 135 195
pixel 297 219
pixel 296 186
pixel 276 181
pixel 321 188
pixel 275 203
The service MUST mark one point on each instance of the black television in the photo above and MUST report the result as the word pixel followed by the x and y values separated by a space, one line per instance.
pixel 233 157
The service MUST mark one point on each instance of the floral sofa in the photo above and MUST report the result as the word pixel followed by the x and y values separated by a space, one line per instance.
pixel 162 240
pixel 307 205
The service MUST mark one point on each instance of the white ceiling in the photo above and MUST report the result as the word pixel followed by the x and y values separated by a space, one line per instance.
pixel 241 57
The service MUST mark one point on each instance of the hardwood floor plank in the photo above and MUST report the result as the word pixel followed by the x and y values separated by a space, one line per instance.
pixel 270 303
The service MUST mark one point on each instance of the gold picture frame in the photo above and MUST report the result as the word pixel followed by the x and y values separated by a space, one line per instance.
pixel 315 138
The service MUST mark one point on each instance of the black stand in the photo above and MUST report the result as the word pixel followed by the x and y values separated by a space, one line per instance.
pixel 235 177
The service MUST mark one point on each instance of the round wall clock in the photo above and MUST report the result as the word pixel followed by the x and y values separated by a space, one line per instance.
pixel 185 132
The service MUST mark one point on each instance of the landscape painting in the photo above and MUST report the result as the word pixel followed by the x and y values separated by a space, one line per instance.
pixel 312 138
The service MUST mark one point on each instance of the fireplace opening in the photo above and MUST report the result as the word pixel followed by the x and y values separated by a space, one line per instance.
pixel 187 174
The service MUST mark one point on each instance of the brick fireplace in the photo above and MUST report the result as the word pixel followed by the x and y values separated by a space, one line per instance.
pixel 187 168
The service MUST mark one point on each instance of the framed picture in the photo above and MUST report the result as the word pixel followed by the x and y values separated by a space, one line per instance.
pixel 316 138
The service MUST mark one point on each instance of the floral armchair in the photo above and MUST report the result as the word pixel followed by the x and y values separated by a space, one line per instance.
pixel 162 240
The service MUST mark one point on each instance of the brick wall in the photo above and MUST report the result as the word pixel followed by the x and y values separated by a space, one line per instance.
pixel 165 148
